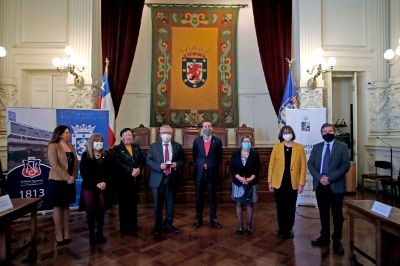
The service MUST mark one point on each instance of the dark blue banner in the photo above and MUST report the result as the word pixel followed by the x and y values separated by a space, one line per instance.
pixel 83 123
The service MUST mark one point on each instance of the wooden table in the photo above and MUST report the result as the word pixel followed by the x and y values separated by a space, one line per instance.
pixel 387 232
pixel 21 207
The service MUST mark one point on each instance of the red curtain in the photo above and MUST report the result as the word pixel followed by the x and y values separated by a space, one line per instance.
pixel 273 21
pixel 120 25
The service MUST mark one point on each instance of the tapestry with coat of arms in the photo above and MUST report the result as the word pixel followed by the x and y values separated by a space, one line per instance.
pixel 194 66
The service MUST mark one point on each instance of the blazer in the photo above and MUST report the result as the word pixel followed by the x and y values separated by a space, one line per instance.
pixel 298 167
pixel 338 166
pixel 124 162
pixel 155 157
pixel 213 159
pixel 252 167
pixel 59 163
pixel 93 173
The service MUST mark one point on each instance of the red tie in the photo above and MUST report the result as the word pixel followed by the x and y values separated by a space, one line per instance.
pixel 167 170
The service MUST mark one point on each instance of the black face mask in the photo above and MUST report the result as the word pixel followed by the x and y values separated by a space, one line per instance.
pixel 328 137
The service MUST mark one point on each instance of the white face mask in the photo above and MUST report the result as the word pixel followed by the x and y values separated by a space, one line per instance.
pixel 287 137
pixel 165 137
pixel 98 145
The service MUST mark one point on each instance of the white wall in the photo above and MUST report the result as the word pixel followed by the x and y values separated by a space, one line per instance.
pixel 255 107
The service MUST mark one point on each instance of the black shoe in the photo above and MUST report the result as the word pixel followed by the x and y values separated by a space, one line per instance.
pixel 319 242
pixel 197 224
pixel 250 230
pixel 239 231
pixel 215 224
pixel 170 228
pixel 156 233
pixel 60 243
pixel 338 249
pixel 101 239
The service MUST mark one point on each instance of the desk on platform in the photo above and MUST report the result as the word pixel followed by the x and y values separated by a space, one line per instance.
pixel 21 207
pixel 387 232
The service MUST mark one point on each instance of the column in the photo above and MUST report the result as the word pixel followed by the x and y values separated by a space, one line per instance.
pixel 308 25
pixel 82 34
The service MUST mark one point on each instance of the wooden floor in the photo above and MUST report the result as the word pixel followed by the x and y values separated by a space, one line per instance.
pixel 203 246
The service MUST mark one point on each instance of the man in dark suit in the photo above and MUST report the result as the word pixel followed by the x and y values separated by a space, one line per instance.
pixel 329 162
pixel 164 158
pixel 129 163
pixel 207 155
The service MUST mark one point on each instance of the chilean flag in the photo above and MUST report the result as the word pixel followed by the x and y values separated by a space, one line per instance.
pixel 106 103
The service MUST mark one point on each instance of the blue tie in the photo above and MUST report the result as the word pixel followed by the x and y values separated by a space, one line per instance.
pixel 327 158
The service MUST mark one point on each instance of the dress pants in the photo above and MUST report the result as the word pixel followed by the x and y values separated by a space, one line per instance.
pixel 163 194
pixel 285 198
pixel 127 195
pixel 328 200
pixel 212 196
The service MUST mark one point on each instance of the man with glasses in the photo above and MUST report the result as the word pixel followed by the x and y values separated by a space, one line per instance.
pixel 165 158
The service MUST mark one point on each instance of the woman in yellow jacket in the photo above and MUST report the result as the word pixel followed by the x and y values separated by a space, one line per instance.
pixel 286 178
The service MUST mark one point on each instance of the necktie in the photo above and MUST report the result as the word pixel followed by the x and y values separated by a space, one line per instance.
pixel 167 170
pixel 327 158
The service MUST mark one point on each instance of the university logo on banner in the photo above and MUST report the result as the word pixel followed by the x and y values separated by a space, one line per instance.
pixel 31 167
pixel 194 71
pixel 80 137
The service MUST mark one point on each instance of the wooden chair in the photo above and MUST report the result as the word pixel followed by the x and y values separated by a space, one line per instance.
pixel 221 133
pixel 243 131
pixel 158 137
pixel 141 135
pixel 189 134
pixel 376 177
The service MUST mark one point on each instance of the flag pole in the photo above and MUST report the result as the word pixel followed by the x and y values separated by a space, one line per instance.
pixel 290 62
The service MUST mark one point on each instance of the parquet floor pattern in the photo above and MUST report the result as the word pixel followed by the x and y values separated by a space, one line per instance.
pixel 203 246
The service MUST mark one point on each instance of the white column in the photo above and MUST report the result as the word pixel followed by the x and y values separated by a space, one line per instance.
pixel 81 29
pixel 308 20
pixel 394 36
pixel 394 89
pixel 8 91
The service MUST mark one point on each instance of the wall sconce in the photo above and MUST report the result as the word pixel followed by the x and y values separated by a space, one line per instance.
pixel 392 57
pixel 2 51
pixel 69 65
pixel 321 67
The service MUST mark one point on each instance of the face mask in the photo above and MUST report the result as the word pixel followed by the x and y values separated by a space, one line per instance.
pixel 287 137
pixel 165 137
pixel 246 146
pixel 328 137
pixel 207 131
pixel 98 145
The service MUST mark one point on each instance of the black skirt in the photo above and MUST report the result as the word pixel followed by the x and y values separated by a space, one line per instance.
pixel 60 193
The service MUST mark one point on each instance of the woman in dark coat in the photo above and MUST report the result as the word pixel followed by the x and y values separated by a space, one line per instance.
pixel 95 165
pixel 129 163
pixel 245 170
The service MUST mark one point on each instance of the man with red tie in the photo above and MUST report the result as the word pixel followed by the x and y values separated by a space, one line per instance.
pixel 164 158
pixel 207 155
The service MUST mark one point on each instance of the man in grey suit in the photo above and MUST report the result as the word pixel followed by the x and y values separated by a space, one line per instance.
pixel 164 158
pixel 329 162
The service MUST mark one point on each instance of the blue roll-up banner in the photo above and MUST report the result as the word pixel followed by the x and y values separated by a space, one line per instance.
pixel 29 131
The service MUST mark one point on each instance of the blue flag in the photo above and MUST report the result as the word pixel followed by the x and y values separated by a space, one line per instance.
pixel 289 100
